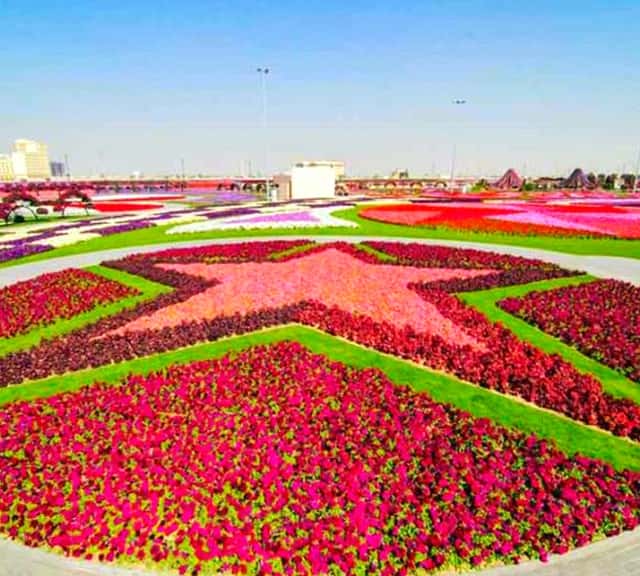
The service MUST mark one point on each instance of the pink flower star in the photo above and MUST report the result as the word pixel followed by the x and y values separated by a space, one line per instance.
pixel 332 277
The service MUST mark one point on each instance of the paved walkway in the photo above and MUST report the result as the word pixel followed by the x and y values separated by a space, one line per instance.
pixel 627 269
pixel 619 556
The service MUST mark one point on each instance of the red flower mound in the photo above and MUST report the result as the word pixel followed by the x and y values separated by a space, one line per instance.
pixel 601 319
pixel 51 297
pixel 280 460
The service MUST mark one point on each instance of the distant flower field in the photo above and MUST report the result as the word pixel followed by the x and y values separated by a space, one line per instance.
pixel 531 218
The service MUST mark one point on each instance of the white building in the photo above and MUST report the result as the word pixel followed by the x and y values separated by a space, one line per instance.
pixel 306 180
pixel 30 160
pixel 313 181
pixel 6 168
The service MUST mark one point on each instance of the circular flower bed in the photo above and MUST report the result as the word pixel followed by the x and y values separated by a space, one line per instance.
pixel 278 460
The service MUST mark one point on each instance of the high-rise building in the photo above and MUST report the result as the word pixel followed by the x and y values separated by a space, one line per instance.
pixel 30 160
pixel 6 168
pixel 57 169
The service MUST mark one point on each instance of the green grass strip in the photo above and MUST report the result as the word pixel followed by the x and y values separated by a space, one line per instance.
pixel 158 235
pixel 148 291
pixel 569 435
pixel 485 301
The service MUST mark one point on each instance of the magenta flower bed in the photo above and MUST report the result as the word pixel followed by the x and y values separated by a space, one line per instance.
pixel 51 297
pixel 601 319
pixel 280 460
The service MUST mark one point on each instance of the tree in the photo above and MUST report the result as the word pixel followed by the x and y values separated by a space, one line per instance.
pixel 480 185
pixel 628 181
pixel 610 182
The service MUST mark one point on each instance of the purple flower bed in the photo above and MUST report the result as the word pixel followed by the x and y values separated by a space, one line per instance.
pixel 230 213
pixel 219 196
pixel 120 228
pixel 22 250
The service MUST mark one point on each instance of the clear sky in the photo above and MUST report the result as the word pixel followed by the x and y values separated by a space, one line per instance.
pixel 122 86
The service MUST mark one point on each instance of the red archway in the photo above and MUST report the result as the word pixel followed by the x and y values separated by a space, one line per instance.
pixel 17 200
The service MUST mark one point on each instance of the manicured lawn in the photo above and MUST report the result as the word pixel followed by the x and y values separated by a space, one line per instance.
pixel 148 291
pixel 570 436
pixel 157 235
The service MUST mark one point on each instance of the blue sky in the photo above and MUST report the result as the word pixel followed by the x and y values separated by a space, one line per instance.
pixel 118 86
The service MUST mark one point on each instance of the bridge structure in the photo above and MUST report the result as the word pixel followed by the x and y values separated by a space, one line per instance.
pixel 48 189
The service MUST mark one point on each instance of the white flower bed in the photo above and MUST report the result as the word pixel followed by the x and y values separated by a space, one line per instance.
pixel 67 239
pixel 317 218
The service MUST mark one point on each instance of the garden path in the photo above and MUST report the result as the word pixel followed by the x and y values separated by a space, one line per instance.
pixel 618 556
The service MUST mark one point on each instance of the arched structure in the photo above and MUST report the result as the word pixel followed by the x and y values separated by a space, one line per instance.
pixel 66 197
pixel 578 179
pixel 17 200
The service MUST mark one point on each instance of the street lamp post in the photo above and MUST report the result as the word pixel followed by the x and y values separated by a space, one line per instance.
pixel 453 164
pixel 264 72
pixel 456 102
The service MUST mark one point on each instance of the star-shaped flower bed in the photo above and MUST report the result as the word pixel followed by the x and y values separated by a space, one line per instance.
pixel 331 277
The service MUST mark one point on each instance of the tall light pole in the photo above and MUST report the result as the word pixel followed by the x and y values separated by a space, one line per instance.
pixel 453 165
pixel 264 72
pixel 456 102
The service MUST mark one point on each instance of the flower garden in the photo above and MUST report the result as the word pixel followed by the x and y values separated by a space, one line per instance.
pixel 50 297
pixel 299 407
pixel 616 219
pixel 601 319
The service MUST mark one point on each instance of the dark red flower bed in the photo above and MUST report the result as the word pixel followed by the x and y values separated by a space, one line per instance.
pixel 502 363
pixel 278 460
pixel 237 252
pixel 51 297
pixel 601 319
pixel 513 269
